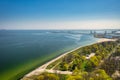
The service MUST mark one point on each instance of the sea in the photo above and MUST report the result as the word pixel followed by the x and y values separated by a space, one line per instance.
pixel 21 51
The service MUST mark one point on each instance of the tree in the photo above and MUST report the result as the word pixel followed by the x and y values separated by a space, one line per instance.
pixel 47 76
pixel 88 66
pixel 100 75
pixel 94 60
pixel 64 66
pixel 77 77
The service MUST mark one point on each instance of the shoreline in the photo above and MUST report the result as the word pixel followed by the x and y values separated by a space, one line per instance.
pixel 42 68
pixel 105 40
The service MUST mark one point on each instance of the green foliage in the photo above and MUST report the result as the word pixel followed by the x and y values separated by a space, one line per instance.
pixel 64 66
pixel 86 68
pixel 78 77
pixel 76 71
pixel 117 52
pixel 47 76
pixel 94 61
pixel 99 75
pixel 78 57
pixel 112 64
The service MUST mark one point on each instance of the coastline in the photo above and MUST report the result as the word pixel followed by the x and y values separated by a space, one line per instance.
pixel 42 68
pixel 105 40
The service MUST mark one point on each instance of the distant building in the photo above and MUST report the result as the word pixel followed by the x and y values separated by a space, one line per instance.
pixel 113 34
pixel 108 36
pixel 117 33
pixel 98 35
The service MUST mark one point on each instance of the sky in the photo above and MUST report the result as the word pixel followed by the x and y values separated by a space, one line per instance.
pixel 59 14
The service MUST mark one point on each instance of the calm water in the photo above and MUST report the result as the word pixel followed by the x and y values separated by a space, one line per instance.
pixel 25 49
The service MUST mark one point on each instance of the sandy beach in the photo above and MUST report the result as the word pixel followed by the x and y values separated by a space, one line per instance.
pixel 105 40
pixel 42 68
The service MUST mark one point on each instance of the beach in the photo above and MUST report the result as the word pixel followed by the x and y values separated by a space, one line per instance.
pixel 42 68
pixel 105 40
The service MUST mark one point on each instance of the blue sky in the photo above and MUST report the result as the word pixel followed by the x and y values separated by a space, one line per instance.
pixel 18 14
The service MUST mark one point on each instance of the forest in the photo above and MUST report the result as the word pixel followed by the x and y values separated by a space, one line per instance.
pixel 103 64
